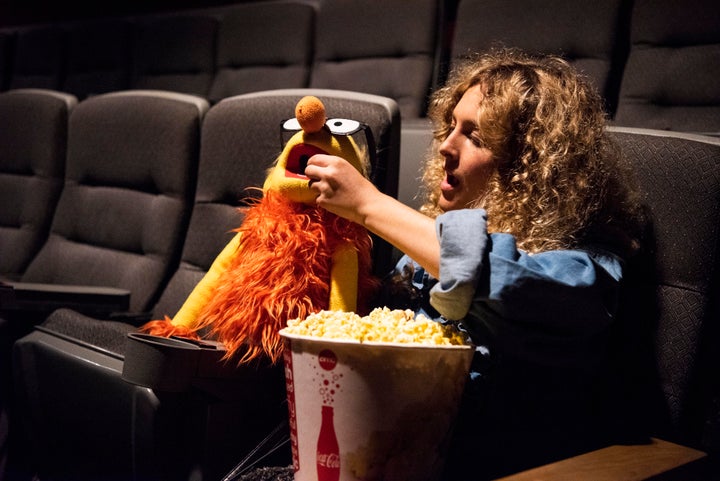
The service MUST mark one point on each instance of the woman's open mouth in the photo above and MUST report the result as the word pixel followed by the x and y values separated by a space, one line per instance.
pixel 449 182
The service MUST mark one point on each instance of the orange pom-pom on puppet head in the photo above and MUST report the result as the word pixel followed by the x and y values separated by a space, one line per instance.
pixel 310 114
pixel 288 259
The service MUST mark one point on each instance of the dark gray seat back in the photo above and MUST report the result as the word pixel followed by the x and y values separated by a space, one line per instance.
pixel 263 46
pixel 33 142
pixel 7 46
pixel 129 184
pixel 98 57
pixel 174 52
pixel 386 48
pixel 673 287
pixel 670 80
pixel 591 35
pixel 39 57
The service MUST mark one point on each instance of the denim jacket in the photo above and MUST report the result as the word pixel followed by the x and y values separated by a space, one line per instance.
pixel 539 324
pixel 517 298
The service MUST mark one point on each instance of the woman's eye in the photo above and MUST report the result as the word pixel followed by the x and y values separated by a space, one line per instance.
pixel 476 140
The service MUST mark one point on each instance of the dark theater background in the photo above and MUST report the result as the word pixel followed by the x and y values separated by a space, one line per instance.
pixel 17 12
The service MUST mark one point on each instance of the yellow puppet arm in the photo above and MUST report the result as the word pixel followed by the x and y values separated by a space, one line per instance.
pixel 344 279
pixel 203 291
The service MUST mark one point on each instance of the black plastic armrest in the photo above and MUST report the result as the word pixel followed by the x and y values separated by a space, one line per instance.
pixel 134 318
pixel 45 298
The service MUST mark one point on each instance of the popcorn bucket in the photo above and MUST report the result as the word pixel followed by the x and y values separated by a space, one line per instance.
pixel 371 411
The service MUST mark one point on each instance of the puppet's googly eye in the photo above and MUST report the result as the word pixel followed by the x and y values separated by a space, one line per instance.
pixel 343 126
pixel 291 124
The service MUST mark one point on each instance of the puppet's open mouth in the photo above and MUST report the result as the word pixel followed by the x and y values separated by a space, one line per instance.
pixel 298 158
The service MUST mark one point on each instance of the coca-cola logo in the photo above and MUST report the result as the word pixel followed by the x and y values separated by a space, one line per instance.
pixel 327 359
pixel 330 460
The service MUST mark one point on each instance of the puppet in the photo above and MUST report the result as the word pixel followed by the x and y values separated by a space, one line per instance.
pixel 289 258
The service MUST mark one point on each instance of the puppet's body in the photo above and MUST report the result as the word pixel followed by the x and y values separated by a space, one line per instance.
pixel 288 259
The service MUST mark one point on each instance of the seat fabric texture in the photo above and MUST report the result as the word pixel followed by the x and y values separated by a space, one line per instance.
pixel 591 35
pixel 670 80
pixel 98 57
pixel 129 184
pixel 174 52
pixel 386 49
pixel 250 55
pixel 33 143
pixel 671 307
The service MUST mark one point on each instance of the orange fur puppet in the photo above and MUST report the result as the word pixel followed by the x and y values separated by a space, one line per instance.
pixel 288 259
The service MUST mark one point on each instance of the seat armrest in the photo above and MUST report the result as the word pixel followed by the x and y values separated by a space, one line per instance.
pixel 16 297
pixel 652 461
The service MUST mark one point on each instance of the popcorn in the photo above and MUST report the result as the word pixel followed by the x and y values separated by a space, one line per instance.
pixel 381 325
pixel 392 382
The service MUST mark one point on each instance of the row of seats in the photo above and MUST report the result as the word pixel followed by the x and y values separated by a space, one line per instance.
pixel 113 178
pixel 147 199
pixel 655 62
pixel 221 52
pixel 137 192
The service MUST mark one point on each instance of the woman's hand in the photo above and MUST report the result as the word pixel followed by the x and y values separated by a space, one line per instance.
pixel 341 188
pixel 346 192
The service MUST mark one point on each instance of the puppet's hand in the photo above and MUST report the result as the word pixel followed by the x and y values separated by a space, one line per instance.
pixel 344 279
pixel 166 328
pixel 185 322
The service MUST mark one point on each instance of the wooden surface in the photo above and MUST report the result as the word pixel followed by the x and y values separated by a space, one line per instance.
pixel 615 463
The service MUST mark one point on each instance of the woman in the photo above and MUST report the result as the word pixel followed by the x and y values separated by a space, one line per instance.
pixel 523 236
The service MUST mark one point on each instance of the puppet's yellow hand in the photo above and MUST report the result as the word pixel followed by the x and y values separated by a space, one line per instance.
pixel 344 279
pixel 203 291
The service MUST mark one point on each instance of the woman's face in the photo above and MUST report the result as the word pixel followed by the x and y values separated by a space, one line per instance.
pixel 468 165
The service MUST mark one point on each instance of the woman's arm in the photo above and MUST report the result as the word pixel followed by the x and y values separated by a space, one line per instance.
pixel 345 192
pixel 558 290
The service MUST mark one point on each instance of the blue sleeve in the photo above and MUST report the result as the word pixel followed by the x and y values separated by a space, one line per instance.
pixel 463 242
pixel 558 288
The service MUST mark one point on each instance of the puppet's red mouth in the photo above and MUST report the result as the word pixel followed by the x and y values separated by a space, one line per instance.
pixel 298 158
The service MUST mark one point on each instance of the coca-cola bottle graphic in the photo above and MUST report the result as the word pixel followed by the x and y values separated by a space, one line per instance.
pixel 328 451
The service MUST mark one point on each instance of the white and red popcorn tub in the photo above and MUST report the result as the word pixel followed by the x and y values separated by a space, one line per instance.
pixel 371 411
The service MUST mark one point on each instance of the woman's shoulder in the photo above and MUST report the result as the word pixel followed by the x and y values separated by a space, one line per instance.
pixel 591 257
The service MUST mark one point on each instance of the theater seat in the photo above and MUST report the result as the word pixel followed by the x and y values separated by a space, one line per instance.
pixel 263 46
pixel 668 335
pixel 591 35
pixel 33 143
pixel 33 140
pixel 384 48
pixel 174 52
pixel 672 289
pixel 7 40
pixel 199 431
pixel 670 80
pixel 120 221
pixel 98 57
pixel 38 57
pixel 129 183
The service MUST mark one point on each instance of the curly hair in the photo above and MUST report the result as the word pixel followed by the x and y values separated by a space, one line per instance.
pixel 559 180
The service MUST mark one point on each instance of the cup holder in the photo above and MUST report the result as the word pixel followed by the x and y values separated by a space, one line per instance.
pixel 169 364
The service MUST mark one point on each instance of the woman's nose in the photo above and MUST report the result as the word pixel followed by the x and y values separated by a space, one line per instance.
pixel 447 148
